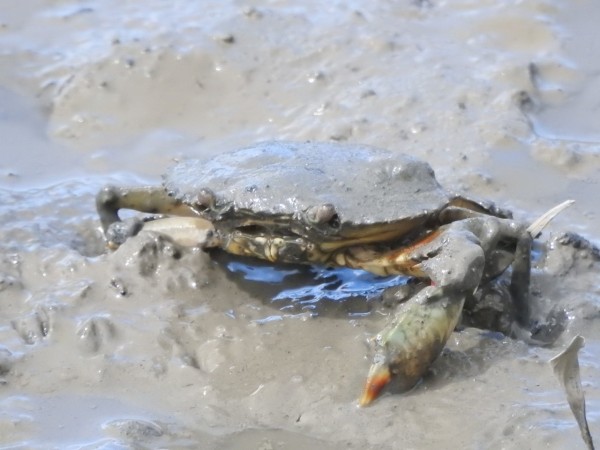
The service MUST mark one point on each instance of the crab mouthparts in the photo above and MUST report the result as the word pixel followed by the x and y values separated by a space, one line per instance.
pixel 379 376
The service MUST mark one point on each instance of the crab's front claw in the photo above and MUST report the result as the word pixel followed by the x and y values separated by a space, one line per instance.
pixel 378 378
pixel 118 232
pixel 186 231
pixel 409 345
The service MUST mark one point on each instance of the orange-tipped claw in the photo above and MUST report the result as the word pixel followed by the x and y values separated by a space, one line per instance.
pixel 379 376
pixel 406 348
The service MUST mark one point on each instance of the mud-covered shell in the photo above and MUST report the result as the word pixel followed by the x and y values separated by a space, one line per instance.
pixel 282 181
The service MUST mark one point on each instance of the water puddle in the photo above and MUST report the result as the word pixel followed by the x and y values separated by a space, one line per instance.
pixel 314 289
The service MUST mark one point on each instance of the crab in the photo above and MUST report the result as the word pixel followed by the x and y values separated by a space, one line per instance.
pixel 344 205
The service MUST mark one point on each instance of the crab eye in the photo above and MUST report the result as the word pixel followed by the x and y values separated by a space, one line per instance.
pixel 323 214
pixel 334 222
pixel 205 199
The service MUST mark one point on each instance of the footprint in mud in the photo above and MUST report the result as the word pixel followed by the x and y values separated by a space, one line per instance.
pixel 154 258
pixel 33 327
pixel 177 340
pixel 7 360
pixel 95 334
pixel 10 272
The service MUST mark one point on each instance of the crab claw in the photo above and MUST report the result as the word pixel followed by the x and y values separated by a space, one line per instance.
pixel 186 231
pixel 414 339
pixel 379 376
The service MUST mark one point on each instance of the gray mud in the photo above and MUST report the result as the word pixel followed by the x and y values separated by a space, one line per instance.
pixel 156 346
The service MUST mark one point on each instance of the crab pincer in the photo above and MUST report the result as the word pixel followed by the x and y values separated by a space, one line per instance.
pixel 411 342
pixel 407 347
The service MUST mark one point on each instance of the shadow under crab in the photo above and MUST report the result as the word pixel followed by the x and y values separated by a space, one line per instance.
pixel 349 206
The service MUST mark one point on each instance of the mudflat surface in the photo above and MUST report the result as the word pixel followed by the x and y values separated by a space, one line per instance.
pixel 154 346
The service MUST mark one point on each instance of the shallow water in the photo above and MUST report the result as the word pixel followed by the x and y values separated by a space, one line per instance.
pixel 138 349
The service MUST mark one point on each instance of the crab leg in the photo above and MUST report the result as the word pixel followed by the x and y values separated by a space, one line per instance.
pixel 521 266
pixel 403 261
